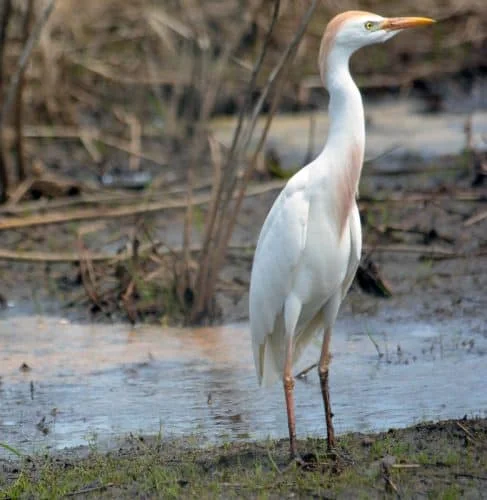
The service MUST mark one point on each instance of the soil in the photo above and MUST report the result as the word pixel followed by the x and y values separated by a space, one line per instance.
pixel 429 460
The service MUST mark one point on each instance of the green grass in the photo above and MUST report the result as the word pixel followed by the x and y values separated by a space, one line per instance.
pixel 11 449
pixel 443 467
pixel 390 446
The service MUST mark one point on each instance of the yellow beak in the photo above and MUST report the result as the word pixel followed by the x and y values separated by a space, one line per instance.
pixel 401 23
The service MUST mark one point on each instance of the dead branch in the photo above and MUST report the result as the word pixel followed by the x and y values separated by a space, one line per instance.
pixel 202 291
pixel 15 82
pixel 59 132
pixel 19 102
pixel 117 197
pixel 376 345
pixel 304 373
pixel 125 146
pixel 87 274
pixel 113 213
pixel 459 195
pixel 90 489
pixel 389 483
pixel 220 224
pixel 475 219
pixel 128 297
pixel 149 207
pixel 198 74
pixel 468 434
pixel 91 135
pixel 87 214
pixel 470 476
pixel 90 148
pixel 252 83
pixel 4 21
pixel 158 248
pixel 431 251
pixel 19 192
pixel 154 248
pixel 24 59
pixel 405 466
pixel 428 234
pixel 275 76
pixel 32 256
pixel 232 217
pixel 100 69
pixel 96 197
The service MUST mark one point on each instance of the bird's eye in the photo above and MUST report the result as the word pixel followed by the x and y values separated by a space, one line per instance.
pixel 369 25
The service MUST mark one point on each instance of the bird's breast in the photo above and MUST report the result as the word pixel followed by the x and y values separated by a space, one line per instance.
pixel 324 262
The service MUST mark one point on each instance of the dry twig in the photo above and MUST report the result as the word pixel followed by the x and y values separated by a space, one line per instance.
pixel 475 219
pixel 108 213
pixel 88 275
pixel 24 59
pixel 468 434
pixel 220 223
pixel 303 373
pixel 19 102
pixel 19 192
pixel 5 14
pixel 90 489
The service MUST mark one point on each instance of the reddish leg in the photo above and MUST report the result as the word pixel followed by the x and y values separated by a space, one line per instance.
pixel 289 393
pixel 325 391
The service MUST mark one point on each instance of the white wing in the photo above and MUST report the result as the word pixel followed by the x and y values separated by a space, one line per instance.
pixel 279 248
pixel 355 248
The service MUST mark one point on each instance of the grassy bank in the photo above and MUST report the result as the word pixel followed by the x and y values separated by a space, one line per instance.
pixel 441 460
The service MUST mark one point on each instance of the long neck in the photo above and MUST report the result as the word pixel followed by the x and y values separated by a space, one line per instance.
pixel 344 148
pixel 346 112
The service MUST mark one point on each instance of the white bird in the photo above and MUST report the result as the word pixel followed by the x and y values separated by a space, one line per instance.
pixel 310 244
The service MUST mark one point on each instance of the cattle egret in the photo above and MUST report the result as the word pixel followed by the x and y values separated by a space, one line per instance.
pixel 309 247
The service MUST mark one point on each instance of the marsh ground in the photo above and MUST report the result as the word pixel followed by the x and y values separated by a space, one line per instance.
pixel 445 460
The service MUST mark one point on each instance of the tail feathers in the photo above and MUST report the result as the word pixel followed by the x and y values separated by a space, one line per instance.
pixel 270 356
pixel 271 369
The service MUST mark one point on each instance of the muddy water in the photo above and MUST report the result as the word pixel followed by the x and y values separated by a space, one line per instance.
pixel 66 384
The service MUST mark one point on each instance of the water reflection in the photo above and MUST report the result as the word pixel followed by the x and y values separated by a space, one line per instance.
pixel 98 381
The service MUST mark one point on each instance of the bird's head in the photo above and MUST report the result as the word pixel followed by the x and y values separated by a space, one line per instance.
pixel 349 31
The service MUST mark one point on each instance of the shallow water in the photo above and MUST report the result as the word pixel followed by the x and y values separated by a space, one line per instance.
pixel 86 383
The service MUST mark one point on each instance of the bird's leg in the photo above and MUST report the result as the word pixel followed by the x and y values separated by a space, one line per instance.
pixel 289 393
pixel 325 391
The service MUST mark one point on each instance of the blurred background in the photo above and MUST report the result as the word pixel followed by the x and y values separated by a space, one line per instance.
pixel 137 168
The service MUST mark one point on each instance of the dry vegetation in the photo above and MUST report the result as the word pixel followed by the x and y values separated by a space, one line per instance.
pixel 127 89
